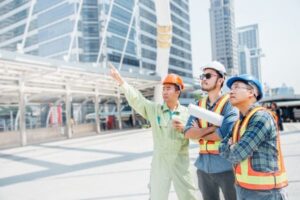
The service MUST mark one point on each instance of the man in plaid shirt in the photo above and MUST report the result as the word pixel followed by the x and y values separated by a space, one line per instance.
pixel 258 129
pixel 253 147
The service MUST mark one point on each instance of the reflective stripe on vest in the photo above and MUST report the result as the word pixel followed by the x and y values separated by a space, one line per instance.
pixel 246 176
pixel 207 146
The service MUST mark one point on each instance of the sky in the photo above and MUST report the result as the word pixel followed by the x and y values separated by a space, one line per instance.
pixel 279 32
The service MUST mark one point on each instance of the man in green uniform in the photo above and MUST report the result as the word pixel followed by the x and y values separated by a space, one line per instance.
pixel 170 162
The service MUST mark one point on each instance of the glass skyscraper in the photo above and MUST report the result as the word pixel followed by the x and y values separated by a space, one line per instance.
pixel 244 60
pixel 248 40
pixel 54 33
pixel 223 34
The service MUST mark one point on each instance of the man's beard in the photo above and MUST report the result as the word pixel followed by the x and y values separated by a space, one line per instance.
pixel 211 88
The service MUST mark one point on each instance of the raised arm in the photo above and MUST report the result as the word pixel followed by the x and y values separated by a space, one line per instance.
pixel 135 99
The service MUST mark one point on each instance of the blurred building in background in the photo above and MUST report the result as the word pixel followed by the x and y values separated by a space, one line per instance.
pixel 73 31
pixel 223 34
pixel 249 52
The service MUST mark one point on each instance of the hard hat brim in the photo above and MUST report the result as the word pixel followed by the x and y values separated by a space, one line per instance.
pixel 234 79
pixel 181 87
pixel 246 81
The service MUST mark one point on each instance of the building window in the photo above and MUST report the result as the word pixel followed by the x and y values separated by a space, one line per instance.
pixel 55 14
pixel 55 46
pixel 56 30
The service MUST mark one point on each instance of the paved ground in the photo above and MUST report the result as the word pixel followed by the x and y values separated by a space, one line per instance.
pixel 107 167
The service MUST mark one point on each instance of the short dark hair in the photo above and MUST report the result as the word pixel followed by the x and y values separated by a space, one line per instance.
pixel 221 75
pixel 177 88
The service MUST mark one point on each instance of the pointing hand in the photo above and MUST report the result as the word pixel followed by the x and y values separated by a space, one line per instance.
pixel 115 74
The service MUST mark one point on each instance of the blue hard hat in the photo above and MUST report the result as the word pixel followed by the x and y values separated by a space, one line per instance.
pixel 249 80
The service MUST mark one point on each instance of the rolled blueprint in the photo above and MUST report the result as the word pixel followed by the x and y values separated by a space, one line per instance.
pixel 206 115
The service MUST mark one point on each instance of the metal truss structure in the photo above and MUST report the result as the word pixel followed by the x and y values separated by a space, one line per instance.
pixel 30 79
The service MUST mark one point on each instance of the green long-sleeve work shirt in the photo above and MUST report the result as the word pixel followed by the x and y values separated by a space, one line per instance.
pixel 166 139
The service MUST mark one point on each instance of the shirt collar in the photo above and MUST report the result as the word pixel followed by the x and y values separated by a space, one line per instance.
pixel 214 104
pixel 177 111
pixel 250 108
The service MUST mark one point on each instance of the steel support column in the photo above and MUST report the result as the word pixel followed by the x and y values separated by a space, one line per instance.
pixel 69 121
pixel 22 110
pixel 97 118
pixel 119 110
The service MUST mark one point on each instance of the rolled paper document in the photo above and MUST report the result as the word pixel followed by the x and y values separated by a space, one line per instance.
pixel 206 115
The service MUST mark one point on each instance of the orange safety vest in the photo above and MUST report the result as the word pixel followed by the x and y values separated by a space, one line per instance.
pixel 246 176
pixel 208 146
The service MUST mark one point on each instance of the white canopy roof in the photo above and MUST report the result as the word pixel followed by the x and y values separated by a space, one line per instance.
pixel 46 80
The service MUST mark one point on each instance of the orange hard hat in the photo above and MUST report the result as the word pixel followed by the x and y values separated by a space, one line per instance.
pixel 174 79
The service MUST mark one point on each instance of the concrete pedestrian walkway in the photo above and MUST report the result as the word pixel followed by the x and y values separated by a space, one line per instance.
pixel 113 166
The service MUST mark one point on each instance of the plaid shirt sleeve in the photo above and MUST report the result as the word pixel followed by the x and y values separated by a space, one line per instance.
pixel 259 128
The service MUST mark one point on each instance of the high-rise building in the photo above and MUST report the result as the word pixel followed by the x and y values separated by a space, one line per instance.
pixel 248 38
pixel 244 60
pixel 223 34
pixel 73 30
pixel 50 28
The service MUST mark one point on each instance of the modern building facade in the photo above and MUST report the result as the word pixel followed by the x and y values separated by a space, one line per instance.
pixel 248 40
pixel 223 34
pixel 73 30
pixel 244 60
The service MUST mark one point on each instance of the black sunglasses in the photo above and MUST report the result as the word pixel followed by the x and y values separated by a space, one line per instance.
pixel 206 76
